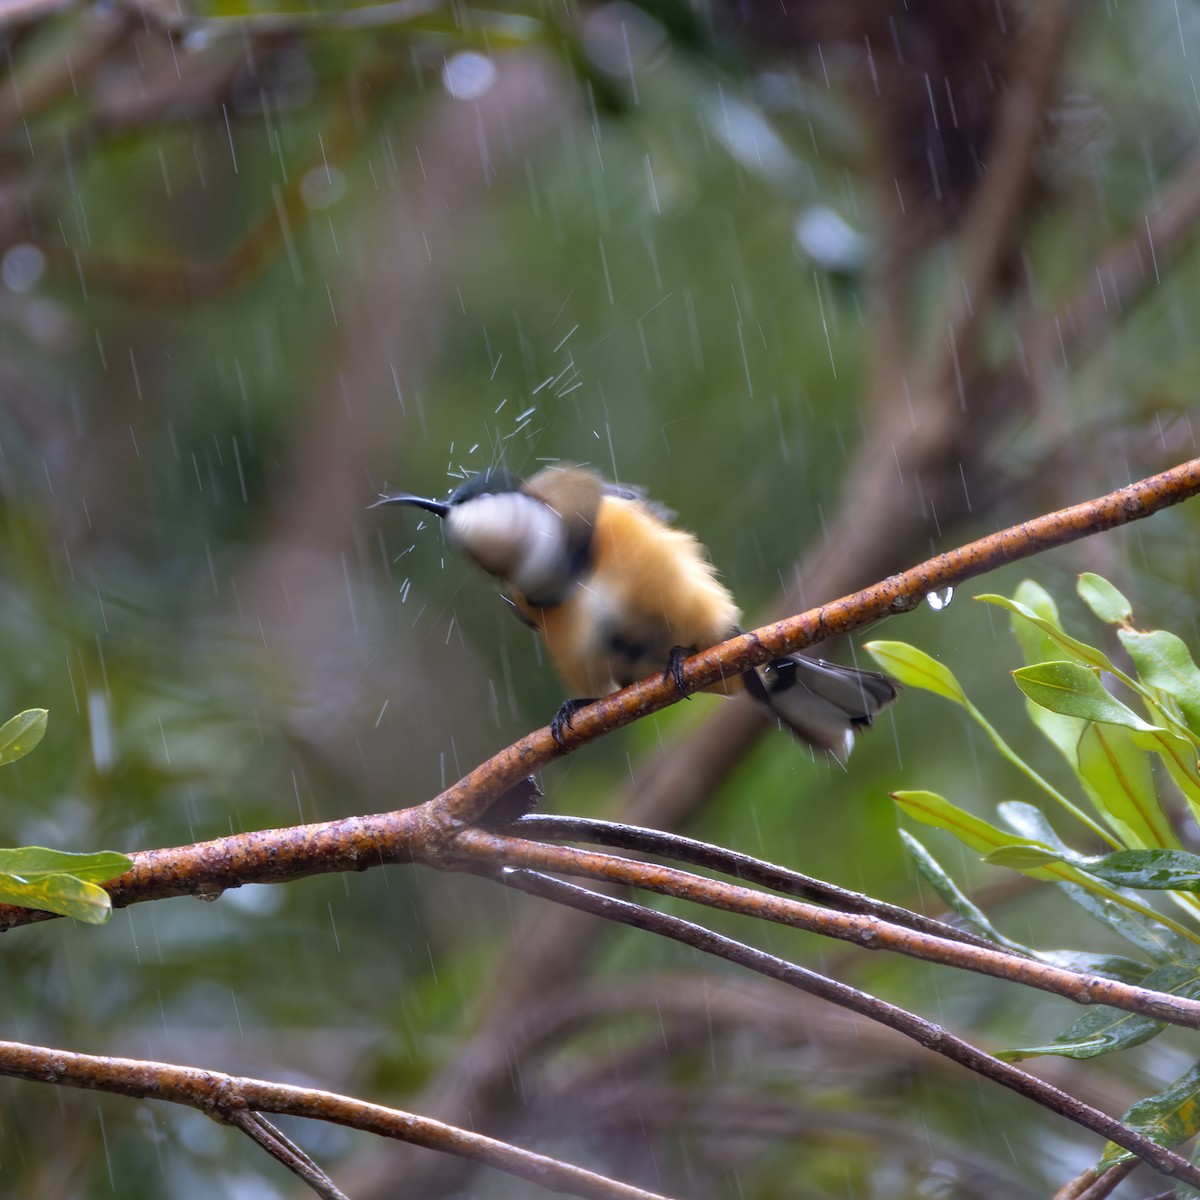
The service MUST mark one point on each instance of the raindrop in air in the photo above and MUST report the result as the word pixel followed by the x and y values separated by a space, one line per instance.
pixel 22 267
pixel 322 187
pixel 468 75
pixel 196 40
pixel 101 728
pixel 939 600
pixel 827 239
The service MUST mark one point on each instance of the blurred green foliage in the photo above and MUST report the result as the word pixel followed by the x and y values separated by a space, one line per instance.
pixel 1132 769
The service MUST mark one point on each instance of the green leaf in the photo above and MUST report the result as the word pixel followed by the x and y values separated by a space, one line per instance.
pixel 1164 662
pixel 1030 822
pixel 1062 732
pixel 932 809
pixel 62 894
pixel 1150 932
pixel 1104 600
pixel 1161 937
pixel 1116 773
pixel 1168 1117
pixel 20 734
pixel 1076 650
pixel 1036 645
pixel 1023 858
pixel 1144 870
pixel 33 863
pixel 1104 1029
pixel 1152 870
pixel 60 882
pixel 1179 757
pixel 915 668
pixel 1100 1031
pixel 1033 596
pixel 1076 690
pixel 953 897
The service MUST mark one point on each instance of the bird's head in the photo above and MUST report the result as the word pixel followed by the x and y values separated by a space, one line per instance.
pixel 521 538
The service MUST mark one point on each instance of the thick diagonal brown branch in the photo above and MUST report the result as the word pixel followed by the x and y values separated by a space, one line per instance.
pixel 427 833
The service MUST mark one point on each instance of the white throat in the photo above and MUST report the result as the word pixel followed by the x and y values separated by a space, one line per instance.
pixel 518 539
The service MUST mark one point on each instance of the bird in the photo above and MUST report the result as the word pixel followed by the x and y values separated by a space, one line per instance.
pixel 619 593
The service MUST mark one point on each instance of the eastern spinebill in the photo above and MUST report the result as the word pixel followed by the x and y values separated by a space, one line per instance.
pixel 618 593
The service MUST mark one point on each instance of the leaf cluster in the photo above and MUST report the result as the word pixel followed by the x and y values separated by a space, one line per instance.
pixel 55 881
pixel 1131 740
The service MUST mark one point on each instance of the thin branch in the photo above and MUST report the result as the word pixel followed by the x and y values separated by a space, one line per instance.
pixel 183 282
pixel 1132 267
pixel 258 1129
pixel 1093 1186
pixel 477 846
pixel 34 87
pixel 225 1096
pixel 932 1037
pixel 729 862
pixel 990 227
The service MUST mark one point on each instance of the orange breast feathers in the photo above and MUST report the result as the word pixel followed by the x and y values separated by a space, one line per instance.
pixel 650 588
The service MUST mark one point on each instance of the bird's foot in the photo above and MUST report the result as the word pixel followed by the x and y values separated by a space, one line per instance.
pixel 563 718
pixel 675 661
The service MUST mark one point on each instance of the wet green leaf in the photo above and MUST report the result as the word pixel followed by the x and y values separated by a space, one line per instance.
pixel 914 668
pixel 931 809
pixel 1104 1029
pixel 1142 929
pixel 63 894
pixel 1168 1117
pixel 21 733
pixel 1076 650
pixel 1076 691
pixel 1103 599
pixel 1146 870
pixel 1036 645
pixel 1179 757
pixel 1022 858
pixel 32 863
pixel 1164 662
pixel 1153 870
pixel 1116 773
pixel 953 897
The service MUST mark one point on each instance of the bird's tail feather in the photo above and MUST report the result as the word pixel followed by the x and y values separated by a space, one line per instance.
pixel 822 703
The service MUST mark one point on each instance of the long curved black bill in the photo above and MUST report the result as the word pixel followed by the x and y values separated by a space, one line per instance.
pixel 437 507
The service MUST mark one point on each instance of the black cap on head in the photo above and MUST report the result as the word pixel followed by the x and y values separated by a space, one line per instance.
pixel 492 482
